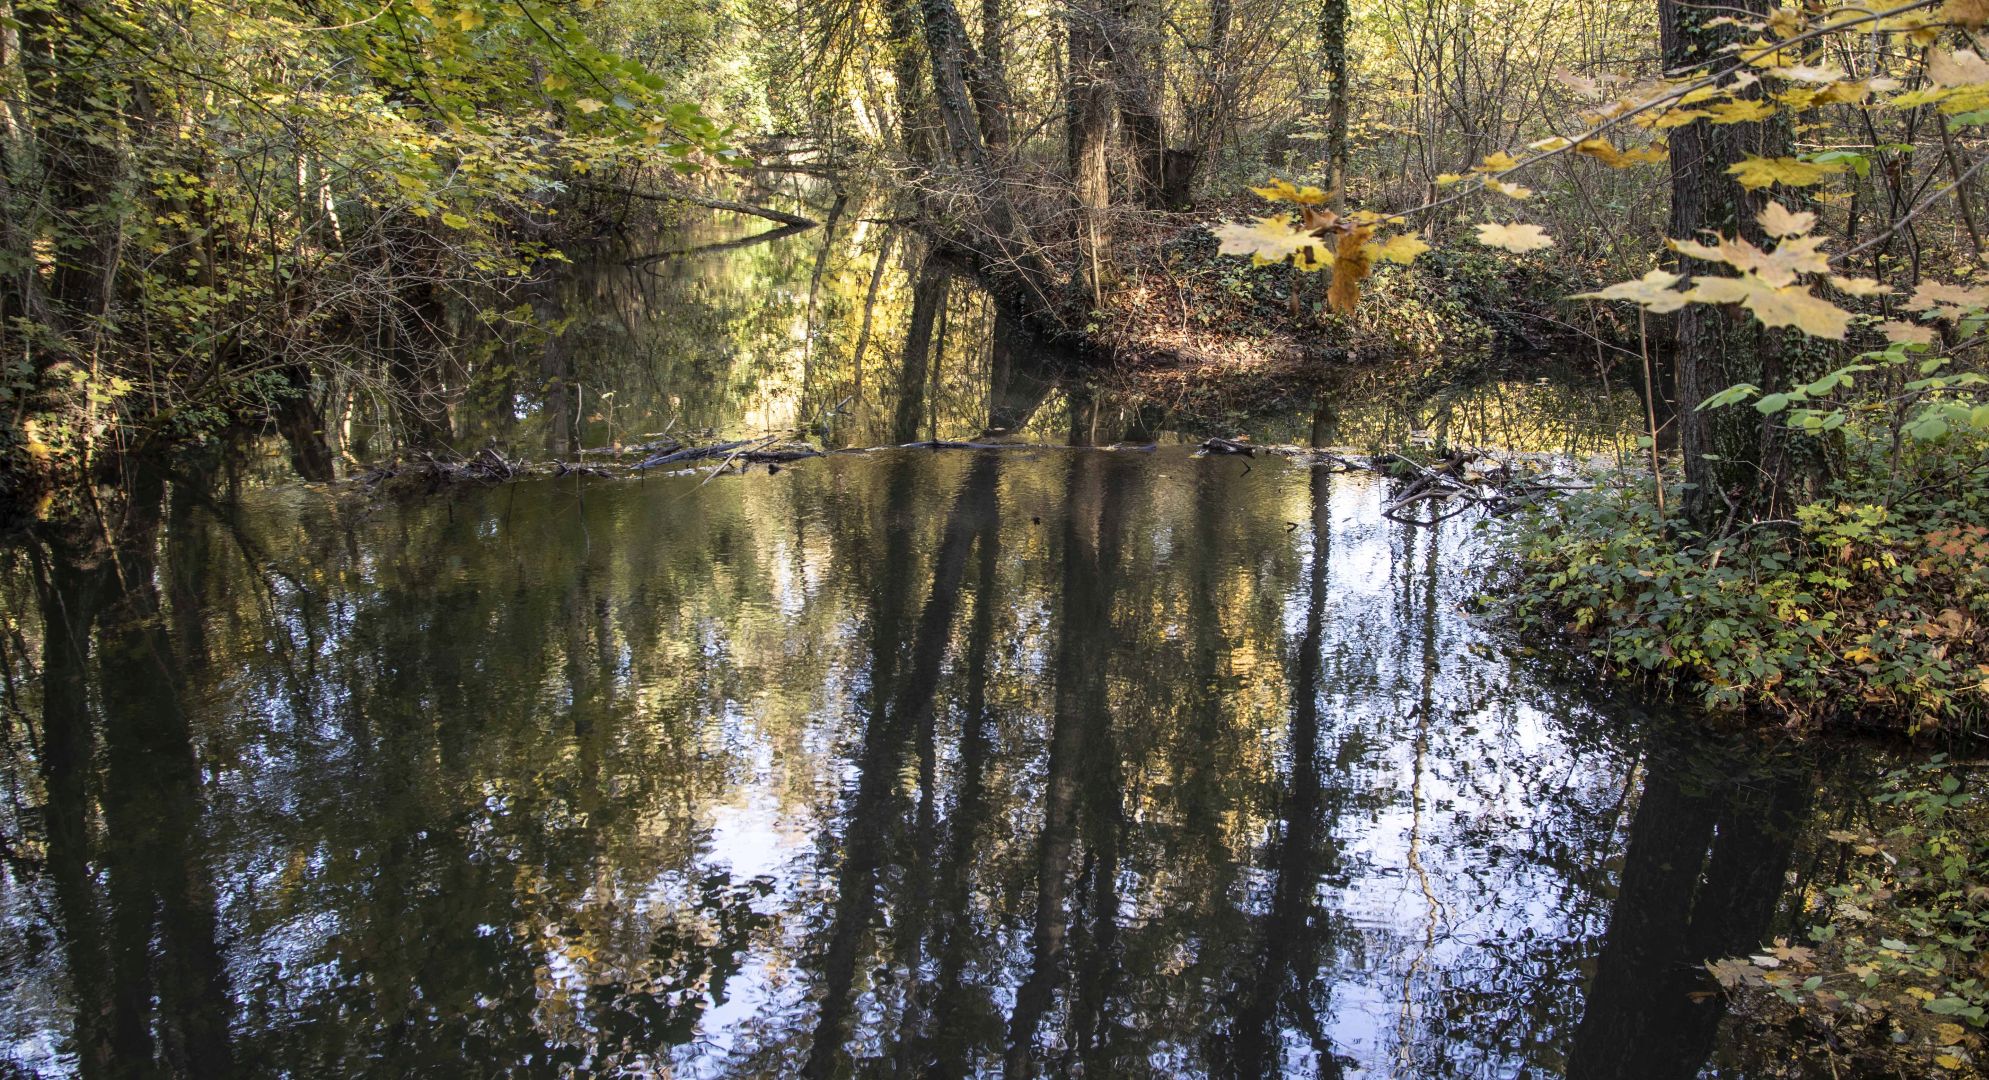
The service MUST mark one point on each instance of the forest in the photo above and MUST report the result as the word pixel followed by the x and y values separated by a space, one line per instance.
pixel 1025 537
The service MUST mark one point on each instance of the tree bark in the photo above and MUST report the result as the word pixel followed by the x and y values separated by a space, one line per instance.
pixel 1735 464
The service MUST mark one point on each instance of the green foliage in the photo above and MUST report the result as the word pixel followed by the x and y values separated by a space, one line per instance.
pixel 1868 607
pixel 1899 948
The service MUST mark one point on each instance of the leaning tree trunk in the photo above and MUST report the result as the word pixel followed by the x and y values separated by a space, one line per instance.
pixel 1738 464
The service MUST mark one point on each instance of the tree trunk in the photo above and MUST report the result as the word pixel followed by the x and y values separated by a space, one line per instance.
pixel 1734 463
pixel 1087 120
pixel 1333 50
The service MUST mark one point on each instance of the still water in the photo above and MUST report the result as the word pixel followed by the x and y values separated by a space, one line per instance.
pixel 1022 762
pixel 1028 762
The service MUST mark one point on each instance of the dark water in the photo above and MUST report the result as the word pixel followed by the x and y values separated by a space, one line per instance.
pixel 1022 762
pixel 1027 762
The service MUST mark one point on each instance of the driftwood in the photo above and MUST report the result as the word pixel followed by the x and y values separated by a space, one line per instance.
pixel 688 453
pixel 1229 446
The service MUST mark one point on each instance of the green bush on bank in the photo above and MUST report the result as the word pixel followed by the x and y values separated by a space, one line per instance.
pixel 1868 608
pixel 1894 976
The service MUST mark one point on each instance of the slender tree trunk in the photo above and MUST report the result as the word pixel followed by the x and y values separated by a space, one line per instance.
pixel 1333 50
pixel 1088 118
pixel 1734 460
pixel 927 295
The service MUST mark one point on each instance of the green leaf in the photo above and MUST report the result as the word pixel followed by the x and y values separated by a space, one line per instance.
pixel 1772 403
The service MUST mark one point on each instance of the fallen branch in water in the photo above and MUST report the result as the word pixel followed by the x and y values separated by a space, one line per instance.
pixel 706 201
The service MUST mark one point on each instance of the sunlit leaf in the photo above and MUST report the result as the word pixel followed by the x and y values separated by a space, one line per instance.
pixel 1653 291
pixel 1519 238
pixel 1778 220
pixel 1760 172
pixel 1265 240
pixel 1960 67
pixel 1400 248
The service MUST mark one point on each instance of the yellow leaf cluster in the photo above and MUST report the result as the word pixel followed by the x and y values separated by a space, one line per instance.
pixel 1791 305
pixel 1285 191
pixel 1606 152
pixel 1759 172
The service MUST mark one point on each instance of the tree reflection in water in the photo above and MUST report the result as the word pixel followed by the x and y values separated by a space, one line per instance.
pixel 1020 762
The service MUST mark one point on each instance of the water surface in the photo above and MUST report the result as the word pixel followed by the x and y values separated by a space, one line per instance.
pixel 1021 762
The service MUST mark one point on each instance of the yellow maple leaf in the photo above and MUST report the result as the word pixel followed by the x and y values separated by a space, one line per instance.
pixel 1351 264
pixel 1519 238
pixel 1759 172
pixel 1400 248
pixel 1791 305
pixel 1960 67
pixel 590 106
pixel 1606 152
pixel 1780 267
pixel 1740 112
pixel 1653 292
pixel 1268 240
pixel 1859 286
pixel 1673 118
pixel 1285 191
pixel 1949 302
pixel 1510 191
pixel 1779 221
pixel 1966 13
pixel 1498 162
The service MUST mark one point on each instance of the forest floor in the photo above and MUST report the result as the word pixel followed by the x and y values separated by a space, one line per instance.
pixel 1203 334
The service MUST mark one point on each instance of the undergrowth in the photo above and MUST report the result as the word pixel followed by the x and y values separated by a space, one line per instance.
pixel 1866 610
pixel 1894 977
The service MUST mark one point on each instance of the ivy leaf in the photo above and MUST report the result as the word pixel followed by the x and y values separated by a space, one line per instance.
pixel 1760 172
pixel 1519 238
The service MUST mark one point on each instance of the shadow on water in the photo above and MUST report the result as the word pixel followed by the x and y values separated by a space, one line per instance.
pixel 1017 763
